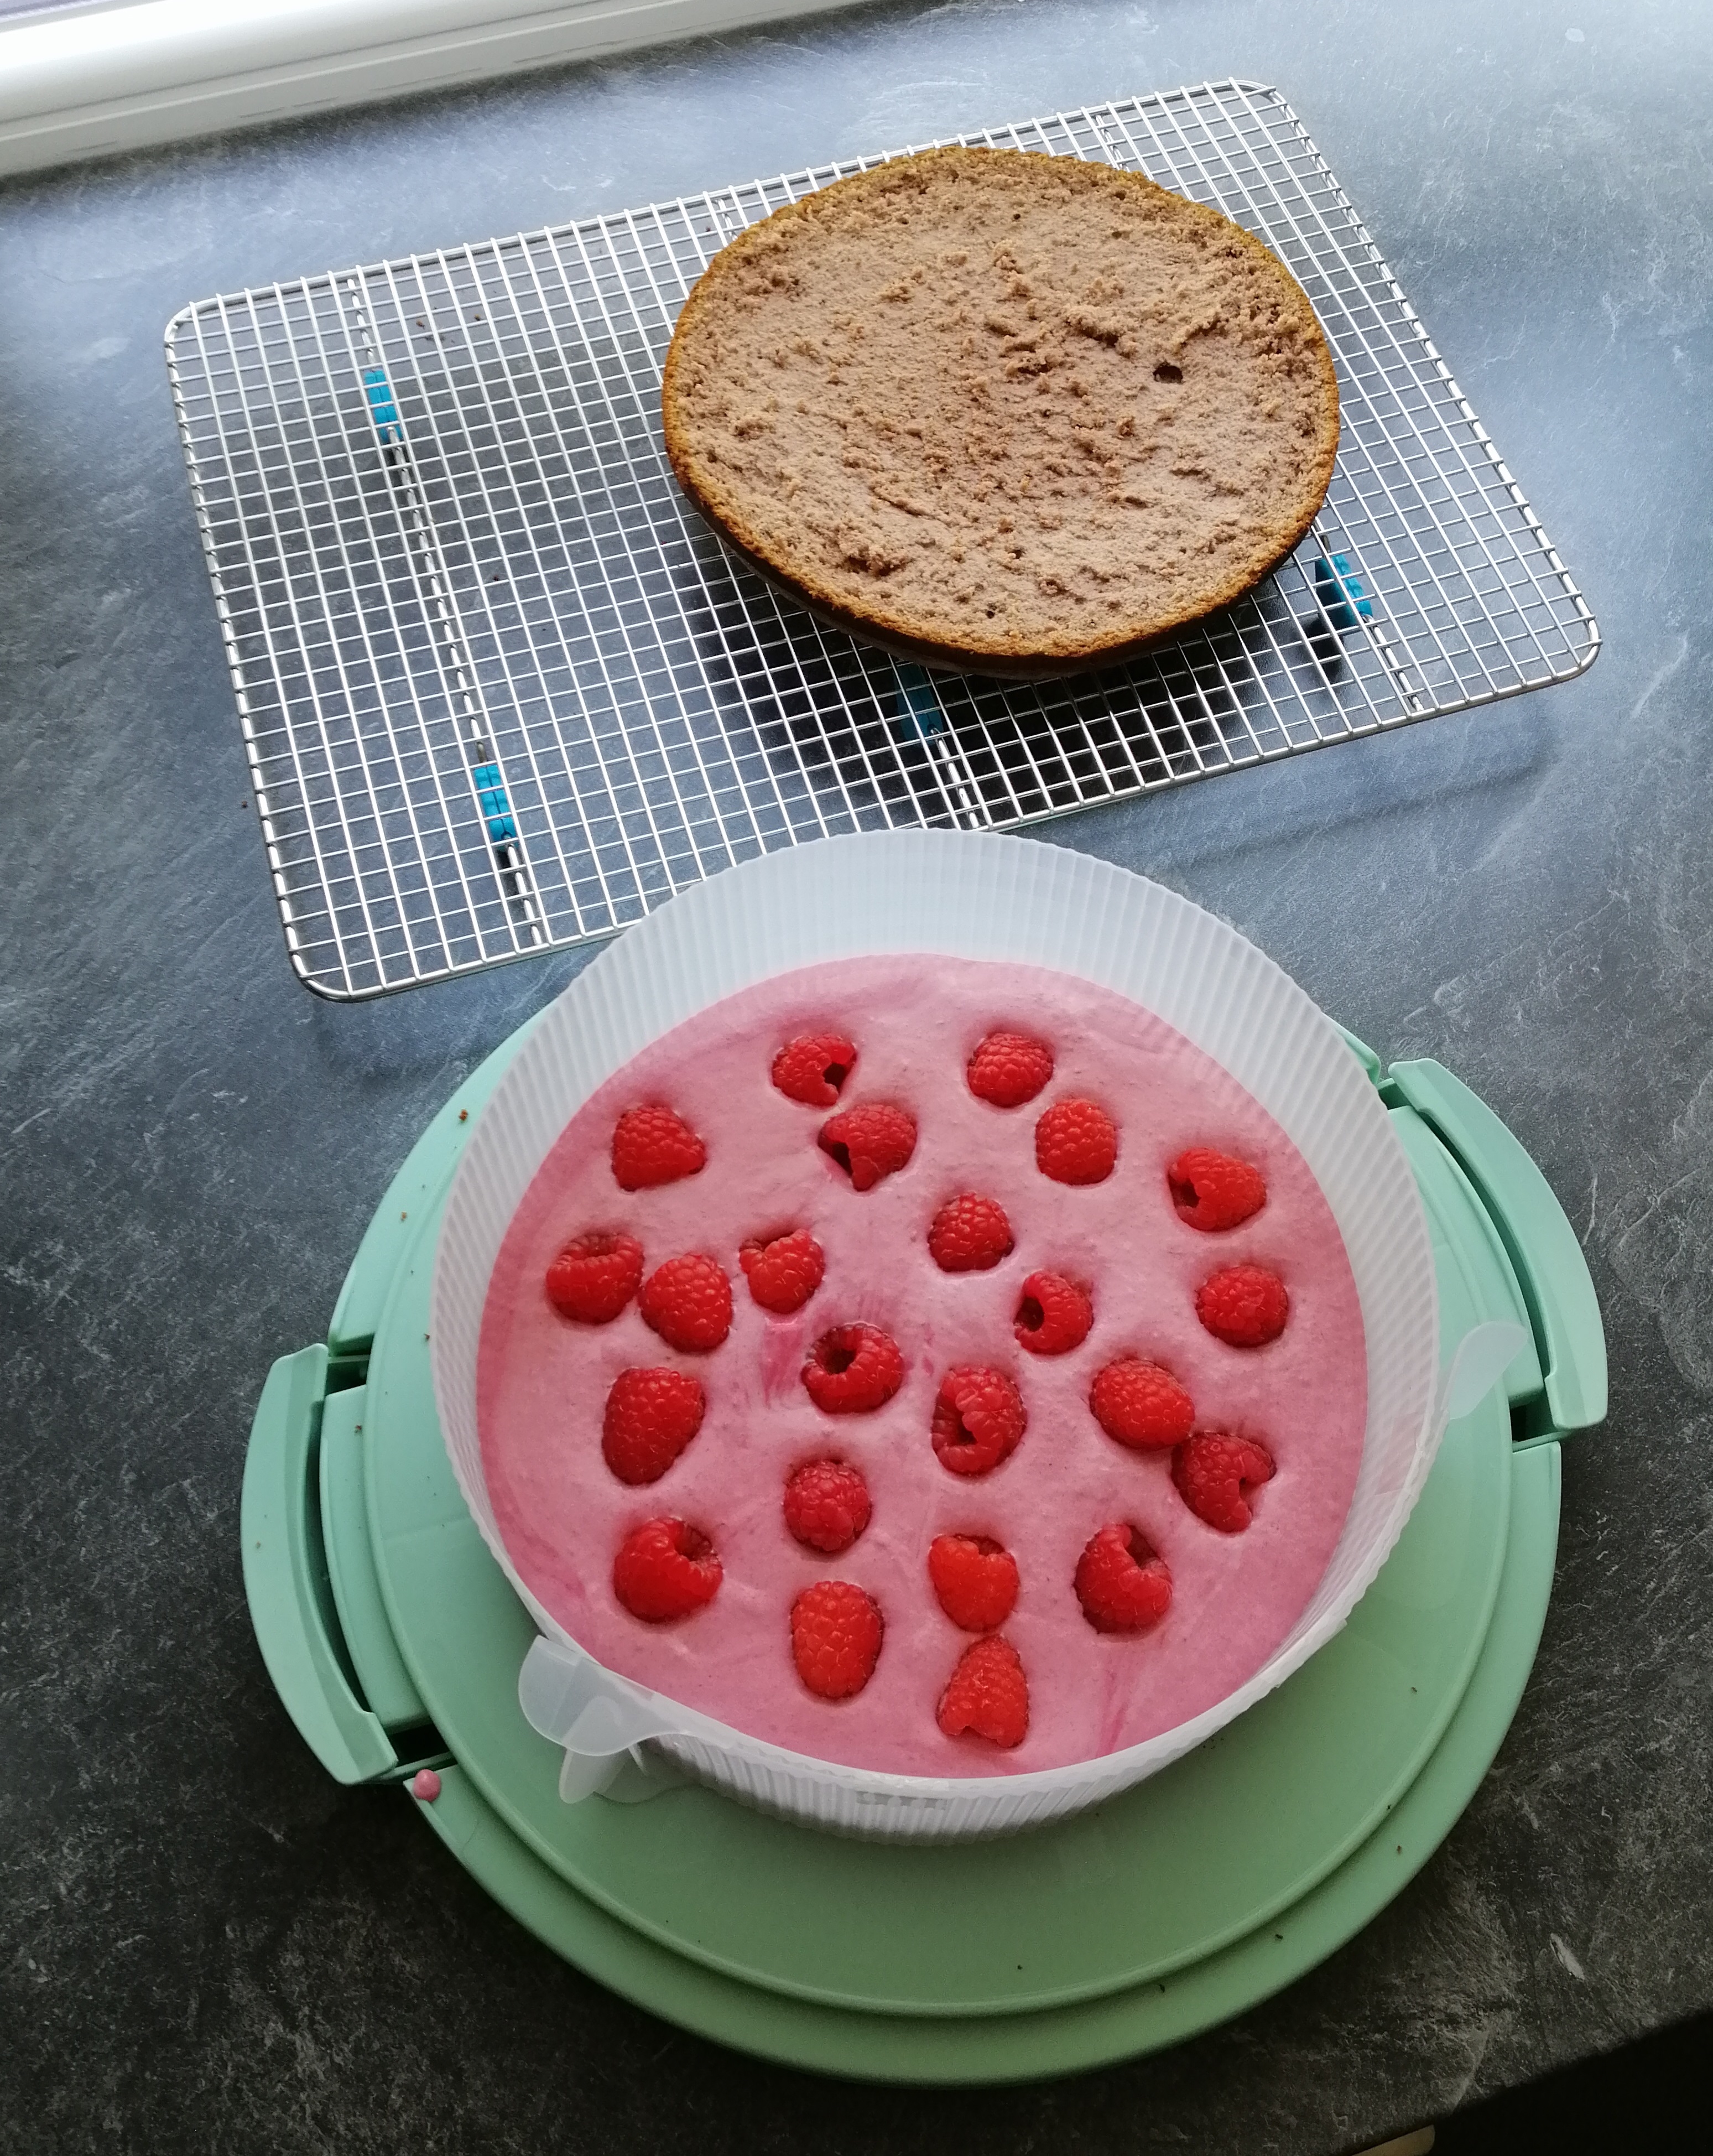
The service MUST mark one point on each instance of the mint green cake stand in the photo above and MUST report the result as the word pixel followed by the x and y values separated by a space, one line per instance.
pixel 395 1642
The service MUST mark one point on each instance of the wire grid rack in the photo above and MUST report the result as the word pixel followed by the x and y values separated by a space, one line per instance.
pixel 502 690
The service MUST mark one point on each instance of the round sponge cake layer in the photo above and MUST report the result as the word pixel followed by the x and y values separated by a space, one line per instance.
pixel 1002 411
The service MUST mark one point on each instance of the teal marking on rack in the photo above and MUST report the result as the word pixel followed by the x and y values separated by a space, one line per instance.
pixel 918 706
pixel 379 391
pixel 1341 592
pixel 451 647
pixel 489 782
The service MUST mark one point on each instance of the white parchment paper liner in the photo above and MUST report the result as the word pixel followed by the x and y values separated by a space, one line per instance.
pixel 973 896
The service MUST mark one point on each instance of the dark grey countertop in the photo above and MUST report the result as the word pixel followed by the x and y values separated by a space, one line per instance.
pixel 204 1944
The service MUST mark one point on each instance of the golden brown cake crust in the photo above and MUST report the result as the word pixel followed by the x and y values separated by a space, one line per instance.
pixel 1005 412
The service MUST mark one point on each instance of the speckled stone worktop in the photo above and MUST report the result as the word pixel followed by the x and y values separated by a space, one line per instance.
pixel 204 1944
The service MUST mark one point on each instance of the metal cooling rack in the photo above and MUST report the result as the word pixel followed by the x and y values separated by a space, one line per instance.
pixel 502 690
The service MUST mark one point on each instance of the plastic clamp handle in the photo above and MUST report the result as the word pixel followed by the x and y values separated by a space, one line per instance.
pixel 1550 1269
pixel 284 1574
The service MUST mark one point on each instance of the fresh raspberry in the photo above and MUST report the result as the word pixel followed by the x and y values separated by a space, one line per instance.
pixel 835 1638
pixel 688 1302
pixel 1142 1405
pixel 1076 1142
pixel 978 1418
pixel 852 1369
pixel 651 1415
pixel 975 1579
pixel 593 1278
pixel 969 1236
pixel 1244 1305
pixel 870 1141
pixel 1008 1069
pixel 827 1505
pixel 1212 1191
pixel 1122 1584
pixel 1215 1474
pixel 652 1145
pixel 812 1068
pixel 784 1272
pixel 1054 1315
pixel 988 1695
pixel 666 1569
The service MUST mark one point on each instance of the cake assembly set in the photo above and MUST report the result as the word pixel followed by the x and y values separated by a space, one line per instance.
pixel 931 1472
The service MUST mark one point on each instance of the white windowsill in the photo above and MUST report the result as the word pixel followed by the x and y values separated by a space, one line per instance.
pixel 95 80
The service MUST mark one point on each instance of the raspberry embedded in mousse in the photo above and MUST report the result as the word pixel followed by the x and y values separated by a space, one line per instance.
pixel 988 1695
pixel 783 1271
pixel 970 1234
pixel 836 1631
pixel 1212 1192
pixel 827 1505
pixel 852 1370
pixel 1244 1306
pixel 1142 1405
pixel 595 1275
pixel 1215 1476
pixel 812 1068
pixel 653 1145
pixel 650 1416
pixel 1076 1143
pixel 975 1580
pixel 978 1419
pixel 1008 1069
pixel 1053 1315
pixel 688 1302
pixel 1122 1583
pixel 666 1569
pixel 870 1141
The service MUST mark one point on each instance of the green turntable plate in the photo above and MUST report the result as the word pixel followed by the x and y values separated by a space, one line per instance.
pixel 1172 1906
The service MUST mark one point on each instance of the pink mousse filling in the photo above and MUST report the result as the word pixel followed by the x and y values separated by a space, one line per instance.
pixel 542 1382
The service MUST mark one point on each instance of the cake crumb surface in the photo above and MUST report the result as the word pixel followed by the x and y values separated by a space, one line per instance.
pixel 994 407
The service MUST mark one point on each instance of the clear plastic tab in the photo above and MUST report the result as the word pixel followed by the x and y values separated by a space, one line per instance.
pixel 1481 1359
pixel 600 1719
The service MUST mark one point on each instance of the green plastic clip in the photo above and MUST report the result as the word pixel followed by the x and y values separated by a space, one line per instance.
pixel 1542 1246
pixel 286 1575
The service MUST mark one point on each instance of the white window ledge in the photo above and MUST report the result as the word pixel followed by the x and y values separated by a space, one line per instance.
pixel 93 81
